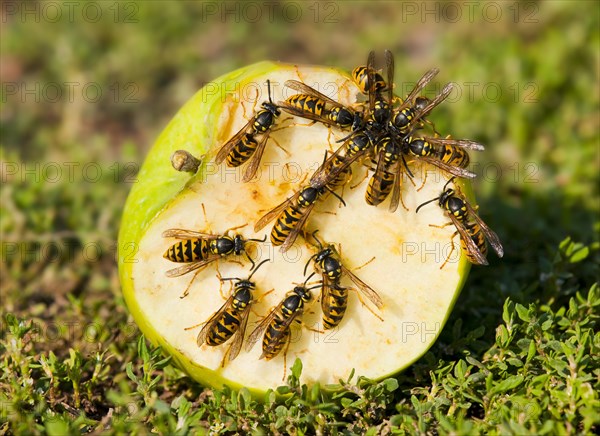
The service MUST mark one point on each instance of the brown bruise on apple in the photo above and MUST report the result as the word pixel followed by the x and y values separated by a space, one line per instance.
pixel 406 271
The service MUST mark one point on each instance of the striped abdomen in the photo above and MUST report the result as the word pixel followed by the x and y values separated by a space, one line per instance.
pixel 334 306
pixel 307 103
pixel 226 326
pixel 271 347
pixel 474 230
pixel 242 151
pixel 188 250
pixel 361 79
pixel 287 220
pixel 380 186
pixel 455 156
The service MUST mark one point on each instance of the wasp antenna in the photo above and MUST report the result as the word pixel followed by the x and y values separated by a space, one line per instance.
pixel 257 267
pixel 269 91
pixel 407 168
pixel 336 196
pixel 307 263
pixel 314 235
pixel 427 202
pixel 308 278
pixel 259 240
pixel 448 182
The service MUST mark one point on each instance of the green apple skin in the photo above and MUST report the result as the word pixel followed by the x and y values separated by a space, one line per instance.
pixel 158 184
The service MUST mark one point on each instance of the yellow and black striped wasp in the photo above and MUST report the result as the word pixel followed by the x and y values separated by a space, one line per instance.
pixel 368 81
pixel 380 104
pixel 293 213
pixel 391 161
pixel 198 249
pixel 472 230
pixel 313 105
pixel 276 325
pixel 388 173
pixel 244 146
pixel 447 154
pixel 414 107
pixel 231 319
pixel 334 296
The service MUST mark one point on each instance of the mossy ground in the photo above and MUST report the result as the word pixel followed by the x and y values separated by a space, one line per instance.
pixel 520 351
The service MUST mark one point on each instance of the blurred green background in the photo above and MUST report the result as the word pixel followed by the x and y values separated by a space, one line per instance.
pixel 86 87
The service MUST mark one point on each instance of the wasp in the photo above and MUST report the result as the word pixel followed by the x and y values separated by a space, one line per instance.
pixel 367 79
pixel 472 230
pixel 244 146
pixel 334 296
pixel 197 249
pixel 312 104
pixel 380 105
pixel 231 319
pixel 447 154
pixel 293 212
pixel 414 107
pixel 387 173
pixel 276 325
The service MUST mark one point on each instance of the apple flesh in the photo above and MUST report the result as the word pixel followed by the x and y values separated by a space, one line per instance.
pixel 406 251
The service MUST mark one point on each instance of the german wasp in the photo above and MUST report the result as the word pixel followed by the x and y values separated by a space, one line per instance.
pixel 243 146
pixel 231 319
pixel 334 296
pixel 276 325
pixel 472 230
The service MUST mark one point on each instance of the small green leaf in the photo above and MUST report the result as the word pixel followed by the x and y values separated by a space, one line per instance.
pixel 523 312
pixel 297 368
pixel 391 384
pixel 507 385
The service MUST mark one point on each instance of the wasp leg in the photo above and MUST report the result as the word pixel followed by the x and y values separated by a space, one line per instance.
pixel 234 228
pixel 187 289
pixel 442 226
pixel 193 326
pixel 451 251
pixel 365 264
pixel 258 300
pixel 287 346
pixel 279 145
pixel 361 181
pixel 366 305
pixel 315 330
pixel 424 180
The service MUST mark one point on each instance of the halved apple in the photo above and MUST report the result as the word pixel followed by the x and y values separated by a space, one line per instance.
pixel 418 296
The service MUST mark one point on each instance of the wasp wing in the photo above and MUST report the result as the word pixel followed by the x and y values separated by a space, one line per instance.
pixel 389 63
pixel 213 321
pixel 291 238
pixel 454 170
pixel 258 330
pixel 365 289
pixel 325 292
pixel 422 83
pixel 189 267
pixel 471 246
pixel 238 339
pixel 231 144
pixel 305 89
pixel 283 330
pixel 256 158
pixel 433 103
pixel 464 143
pixel 397 186
pixel 371 80
pixel 187 234
pixel 273 213
pixel 305 114
pixel 491 236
